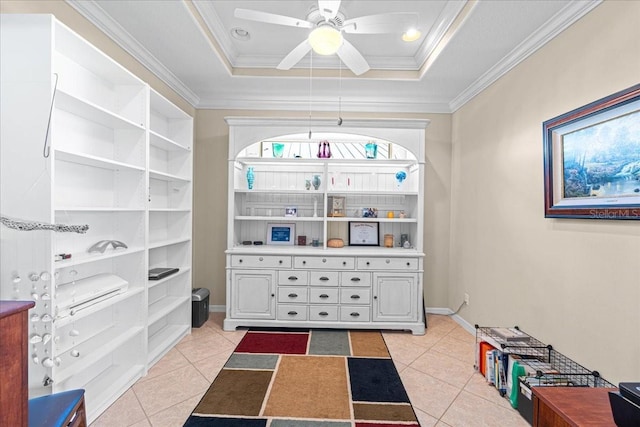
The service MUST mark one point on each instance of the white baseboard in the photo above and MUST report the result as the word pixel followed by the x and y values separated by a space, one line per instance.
pixel 217 308
pixel 448 312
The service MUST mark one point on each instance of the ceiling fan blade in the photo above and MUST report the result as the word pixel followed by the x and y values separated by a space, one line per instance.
pixel 328 8
pixel 271 18
pixel 294 56
pixel 352 58
pixel 396 22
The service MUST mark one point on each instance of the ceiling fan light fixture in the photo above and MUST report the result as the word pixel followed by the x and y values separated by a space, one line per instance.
pixel 411 35
pixel 325 40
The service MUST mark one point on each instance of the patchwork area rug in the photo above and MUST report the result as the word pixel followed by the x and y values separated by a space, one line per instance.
pixel 307 378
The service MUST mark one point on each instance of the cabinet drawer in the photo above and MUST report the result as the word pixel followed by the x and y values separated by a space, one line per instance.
pixel 355 296
pixel 319 312
pixel 260 261
pixel 292 312
pixel 324 278
pixel 330 263
pixel 291 294
pixel 355 278
pixel 323 296
pixel 299 278
pixel 354 314
pixel 387 263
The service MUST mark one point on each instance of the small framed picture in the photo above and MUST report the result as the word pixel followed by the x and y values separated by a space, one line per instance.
pixel 369 213
pixel 291 211
pixel 280 234
pixel 364 234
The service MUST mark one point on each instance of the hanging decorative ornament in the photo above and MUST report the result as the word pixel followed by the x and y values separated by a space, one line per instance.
pixel 400 176
pixel 47 362
pixel 45 276
pixel 35 338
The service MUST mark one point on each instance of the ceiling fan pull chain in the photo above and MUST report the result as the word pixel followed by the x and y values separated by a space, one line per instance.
pixel 310 84
pixel 339 92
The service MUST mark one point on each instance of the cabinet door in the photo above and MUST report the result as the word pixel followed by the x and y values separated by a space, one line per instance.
pixel 253 294
pixel 395 297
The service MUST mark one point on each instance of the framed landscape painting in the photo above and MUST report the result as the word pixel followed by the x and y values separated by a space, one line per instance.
pixel 592 160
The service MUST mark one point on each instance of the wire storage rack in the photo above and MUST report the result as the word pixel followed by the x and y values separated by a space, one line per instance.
pixel 497 350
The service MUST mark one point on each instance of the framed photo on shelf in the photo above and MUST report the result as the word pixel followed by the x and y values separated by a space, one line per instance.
pixel 592 160
pixel 291 211
pixel 364 233
pixel 281 233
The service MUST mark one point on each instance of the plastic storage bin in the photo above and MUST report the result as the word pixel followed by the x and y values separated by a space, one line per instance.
pixel 199 307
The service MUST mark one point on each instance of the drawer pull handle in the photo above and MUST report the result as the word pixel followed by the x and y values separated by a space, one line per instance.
pixel 355 314
pixel 324 278
pixel 304 262
pixel 375 297
pixel 355 279
pixel 324 296
pixel 324 260
pixel 273 295
pixel 323 313
pixel 292 278
pixel 292 313
pixel 260 259
pixel 279 261
pixel 355 296
pixel 368 263
pixel 344 262
pixel 292 295
pixel 387 261
pixel 408 264
pixel 240 261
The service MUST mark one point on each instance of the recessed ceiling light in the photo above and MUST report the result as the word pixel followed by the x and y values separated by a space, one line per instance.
pixel 240 34
pixel 411 35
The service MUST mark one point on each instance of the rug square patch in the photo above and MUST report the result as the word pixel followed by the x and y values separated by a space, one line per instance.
pixel 308 423
pixel 386 425
pixel 375 380
pixel 252 361
pixel 235 392
pixel 368 344
pixel 275 343
pixel 195 421
pixel 383 412
pixel 310 387
pixel 334 343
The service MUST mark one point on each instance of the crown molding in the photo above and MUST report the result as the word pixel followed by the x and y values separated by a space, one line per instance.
pixel 97 16
pixel 238 102
pixel 435 35
pixel 558 23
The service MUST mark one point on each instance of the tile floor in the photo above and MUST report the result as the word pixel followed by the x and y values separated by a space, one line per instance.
pixel 436 369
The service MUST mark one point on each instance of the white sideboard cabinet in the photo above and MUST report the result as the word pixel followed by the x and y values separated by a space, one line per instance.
pixel 86 143
pixel 296 255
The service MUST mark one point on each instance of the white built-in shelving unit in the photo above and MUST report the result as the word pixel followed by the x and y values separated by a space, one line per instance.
pixel 302 285
pixel 85 142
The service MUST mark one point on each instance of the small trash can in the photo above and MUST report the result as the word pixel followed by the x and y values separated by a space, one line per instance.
pixel 199 307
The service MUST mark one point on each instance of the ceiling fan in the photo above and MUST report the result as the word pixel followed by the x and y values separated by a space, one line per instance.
pixel 328 25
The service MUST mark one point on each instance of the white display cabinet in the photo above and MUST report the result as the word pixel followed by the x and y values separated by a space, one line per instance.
pixel 313 283
pixel 83 143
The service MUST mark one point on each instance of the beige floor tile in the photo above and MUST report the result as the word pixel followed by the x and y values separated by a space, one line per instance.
pixel 444 368
pixel 170 362
pixel 123 412
pixel 479 386
pixel 176 415
pixel 470 410
pixel 144 423
pixel 427 393
pixel 464 351
pixel 425 419
pixel 169 389
pixel 402 348
pixel 205 346
pixel 462 334
pixel 211 366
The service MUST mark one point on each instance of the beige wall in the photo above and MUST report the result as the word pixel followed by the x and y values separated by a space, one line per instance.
pixel 572 283
pixel 210 208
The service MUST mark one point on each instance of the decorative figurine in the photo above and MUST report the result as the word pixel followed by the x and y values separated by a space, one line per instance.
pixel 250 177
pixel 400 176
pixel 316 182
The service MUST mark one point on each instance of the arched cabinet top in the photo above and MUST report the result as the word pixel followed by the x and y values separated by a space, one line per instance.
pixel 407 133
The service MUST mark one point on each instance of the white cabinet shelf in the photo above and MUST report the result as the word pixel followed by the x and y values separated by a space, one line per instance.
pixel 118 158
pixel 260 288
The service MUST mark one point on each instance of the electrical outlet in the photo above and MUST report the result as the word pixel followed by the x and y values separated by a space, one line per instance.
pixel 466 298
